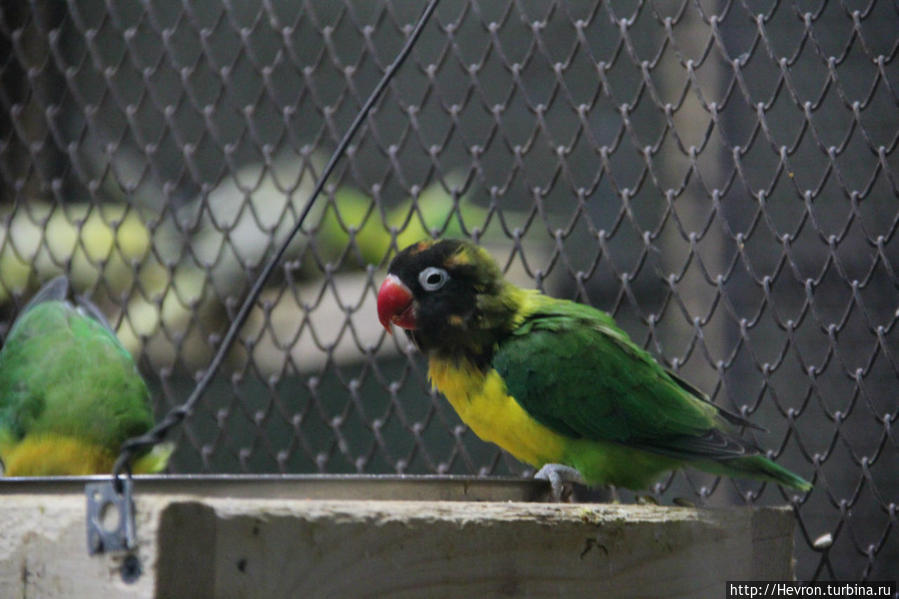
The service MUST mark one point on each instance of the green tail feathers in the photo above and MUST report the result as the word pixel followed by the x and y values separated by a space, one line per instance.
pixel 154 460
pixel 760 468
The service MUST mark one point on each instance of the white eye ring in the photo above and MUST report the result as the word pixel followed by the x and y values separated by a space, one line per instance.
pixel 433 278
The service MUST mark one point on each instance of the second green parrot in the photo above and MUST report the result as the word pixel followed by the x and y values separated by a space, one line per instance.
pixel 556 383
pixel 70 394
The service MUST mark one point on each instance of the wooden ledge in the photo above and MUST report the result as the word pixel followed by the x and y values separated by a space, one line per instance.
pixel 190 545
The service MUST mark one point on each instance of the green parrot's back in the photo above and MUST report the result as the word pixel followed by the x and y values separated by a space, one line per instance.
pixel 572 369
pixel 64 375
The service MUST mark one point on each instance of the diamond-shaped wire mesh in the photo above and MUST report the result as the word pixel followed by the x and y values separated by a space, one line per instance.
pixel 719 175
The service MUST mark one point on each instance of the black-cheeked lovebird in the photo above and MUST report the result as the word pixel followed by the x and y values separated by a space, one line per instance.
pixel 70 394
pixel 556 383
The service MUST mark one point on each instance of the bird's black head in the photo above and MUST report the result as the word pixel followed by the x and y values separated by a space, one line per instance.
pixel 449 296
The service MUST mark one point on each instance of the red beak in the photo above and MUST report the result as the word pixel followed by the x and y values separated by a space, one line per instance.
pixel 395 304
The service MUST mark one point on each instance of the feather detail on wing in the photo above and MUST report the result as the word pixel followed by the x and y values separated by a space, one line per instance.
pixel 572 369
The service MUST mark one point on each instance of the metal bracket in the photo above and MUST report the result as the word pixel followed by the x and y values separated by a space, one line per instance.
pixel 110 517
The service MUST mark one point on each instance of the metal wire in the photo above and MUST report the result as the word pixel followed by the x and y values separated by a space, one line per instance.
pixel 176 415
pixel 722 176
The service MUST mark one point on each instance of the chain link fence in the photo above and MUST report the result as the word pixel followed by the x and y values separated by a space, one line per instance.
pixel 719 175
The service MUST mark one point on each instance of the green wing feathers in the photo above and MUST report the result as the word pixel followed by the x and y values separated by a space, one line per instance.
pixel 573 370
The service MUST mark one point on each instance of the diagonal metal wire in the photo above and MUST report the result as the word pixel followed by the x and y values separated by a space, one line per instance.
pixel 176 415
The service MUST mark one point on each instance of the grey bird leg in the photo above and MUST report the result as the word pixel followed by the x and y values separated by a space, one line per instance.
pixel 559 476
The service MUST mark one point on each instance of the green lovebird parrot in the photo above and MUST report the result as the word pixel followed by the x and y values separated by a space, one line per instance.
pixel 556 383
pixel 70 394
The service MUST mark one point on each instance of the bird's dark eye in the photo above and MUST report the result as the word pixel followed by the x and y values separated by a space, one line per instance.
pixel 433 278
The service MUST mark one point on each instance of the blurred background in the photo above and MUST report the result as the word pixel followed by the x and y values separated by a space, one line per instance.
pixel 721 176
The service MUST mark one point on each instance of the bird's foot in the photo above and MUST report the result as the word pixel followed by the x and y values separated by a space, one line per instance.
pixel 613 495
pixel 647 500
pixel 560 478
pixel 683 502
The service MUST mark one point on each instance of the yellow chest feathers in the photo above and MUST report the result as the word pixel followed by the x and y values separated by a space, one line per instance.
pixel 483 403
pixel 59 455
pixel 53 455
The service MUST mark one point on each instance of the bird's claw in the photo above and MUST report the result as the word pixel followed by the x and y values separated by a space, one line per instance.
pixel 647 500
pixel 560 479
